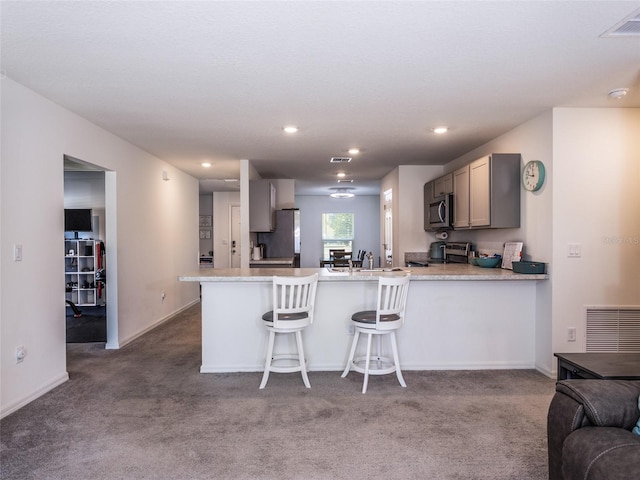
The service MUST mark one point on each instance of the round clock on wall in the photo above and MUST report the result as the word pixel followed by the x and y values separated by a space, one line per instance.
pixel 533 175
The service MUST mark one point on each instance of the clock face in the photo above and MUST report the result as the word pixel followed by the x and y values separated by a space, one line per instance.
pixel 533 175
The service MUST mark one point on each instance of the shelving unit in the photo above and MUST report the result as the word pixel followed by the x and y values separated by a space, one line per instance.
pixel 81 262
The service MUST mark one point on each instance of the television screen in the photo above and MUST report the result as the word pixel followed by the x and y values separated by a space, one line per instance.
pixel 77 220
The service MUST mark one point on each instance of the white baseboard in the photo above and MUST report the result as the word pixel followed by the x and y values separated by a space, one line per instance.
pixel 547 372
pixel 35 394
pixel 155 324
pixel 408 368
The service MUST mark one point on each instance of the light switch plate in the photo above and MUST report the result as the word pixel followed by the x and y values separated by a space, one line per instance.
pixel 17 252
pixel 574 250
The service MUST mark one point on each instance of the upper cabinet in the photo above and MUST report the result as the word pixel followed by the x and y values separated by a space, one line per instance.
pixel 438 187
pixel 487 192
pixel 443 185
pixel 461 197
pixel 262 206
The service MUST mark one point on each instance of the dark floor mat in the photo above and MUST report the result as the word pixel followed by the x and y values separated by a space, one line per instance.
pixel 90 327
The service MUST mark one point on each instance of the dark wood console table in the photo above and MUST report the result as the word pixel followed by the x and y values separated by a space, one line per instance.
pixel 608 366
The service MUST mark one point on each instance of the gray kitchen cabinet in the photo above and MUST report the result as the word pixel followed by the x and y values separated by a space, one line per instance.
pixel 428 192
pixel 480 192
pixel 443 185
pixel 492 199
pixel 262 206
pixel 461 197
pixel 438 187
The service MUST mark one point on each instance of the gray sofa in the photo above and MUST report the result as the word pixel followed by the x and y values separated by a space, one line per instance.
pixel 589 430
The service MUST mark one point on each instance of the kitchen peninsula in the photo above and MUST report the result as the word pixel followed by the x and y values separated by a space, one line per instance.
pixel 458 317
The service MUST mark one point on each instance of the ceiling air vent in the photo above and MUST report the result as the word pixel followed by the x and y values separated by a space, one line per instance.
pixel 345 181
pixel 340 159
pixel 629 27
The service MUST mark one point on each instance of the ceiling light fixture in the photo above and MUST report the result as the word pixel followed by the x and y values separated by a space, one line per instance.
pixel 290 129
pixel 440 130
pixel 206 164
pixel 342 193
pixel 618 93
pixel 354 151
pixel 341 174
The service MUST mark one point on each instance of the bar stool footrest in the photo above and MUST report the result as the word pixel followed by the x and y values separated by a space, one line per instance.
pixel 385 365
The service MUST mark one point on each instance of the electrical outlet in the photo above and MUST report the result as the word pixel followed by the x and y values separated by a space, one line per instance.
pixel 21 352
pixel 571 334
pixel 351 330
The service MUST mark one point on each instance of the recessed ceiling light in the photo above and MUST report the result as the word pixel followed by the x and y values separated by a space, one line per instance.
pixel 206 164
pixel 342 193
pixel 354 151
pixel 290 129
pixel 618 93
pixel 439 130
pixel 341 175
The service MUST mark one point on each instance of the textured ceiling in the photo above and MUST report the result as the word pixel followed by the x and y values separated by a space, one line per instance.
pixel 216 81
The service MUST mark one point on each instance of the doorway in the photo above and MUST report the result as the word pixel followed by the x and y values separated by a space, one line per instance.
pixel 235 244
pixel 95 317
pixel 388 228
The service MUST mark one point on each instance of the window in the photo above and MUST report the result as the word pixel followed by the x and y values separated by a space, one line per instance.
pixel 337 232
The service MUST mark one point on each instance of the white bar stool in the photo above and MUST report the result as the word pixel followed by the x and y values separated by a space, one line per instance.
pixel 293 307
pixel 385 320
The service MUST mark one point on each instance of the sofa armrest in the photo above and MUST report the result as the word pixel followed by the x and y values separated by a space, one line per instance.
pixel 579 403
pixel 607 403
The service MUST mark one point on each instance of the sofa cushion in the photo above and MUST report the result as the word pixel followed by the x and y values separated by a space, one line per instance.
pixel 636 429
pixel 599 453
pixel 614 406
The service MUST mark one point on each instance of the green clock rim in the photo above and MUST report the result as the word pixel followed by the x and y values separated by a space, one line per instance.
pixel 543 174
pixel 541 170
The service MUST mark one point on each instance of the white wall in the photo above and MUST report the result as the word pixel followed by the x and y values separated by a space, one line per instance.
pixel 409 205
pixel 407 185
pixel 592 197
pixel 366 220
pixel 533 140
pixel 157 225
pixel 596 202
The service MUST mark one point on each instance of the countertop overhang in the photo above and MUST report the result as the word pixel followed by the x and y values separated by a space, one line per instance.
pixel 437 272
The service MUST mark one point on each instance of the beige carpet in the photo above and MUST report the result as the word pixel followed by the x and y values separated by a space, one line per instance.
pixel 144 412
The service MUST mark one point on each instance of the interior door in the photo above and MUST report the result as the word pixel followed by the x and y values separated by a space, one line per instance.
pixel 388 228
pixel 235 250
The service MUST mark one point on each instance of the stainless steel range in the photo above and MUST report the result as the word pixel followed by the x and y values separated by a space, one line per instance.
pixel 457 252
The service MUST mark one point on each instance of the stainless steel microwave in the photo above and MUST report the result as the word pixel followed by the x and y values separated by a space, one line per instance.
pixel 438 213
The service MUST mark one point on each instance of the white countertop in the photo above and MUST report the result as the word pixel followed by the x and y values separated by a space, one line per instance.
pixel 436 272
